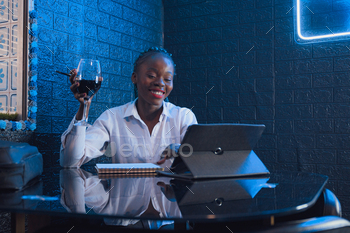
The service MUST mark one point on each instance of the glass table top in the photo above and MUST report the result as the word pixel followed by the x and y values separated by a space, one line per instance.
pixel 124 200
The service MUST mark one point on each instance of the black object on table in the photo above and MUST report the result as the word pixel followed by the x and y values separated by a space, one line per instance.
pixel 218 151
pixel 264 201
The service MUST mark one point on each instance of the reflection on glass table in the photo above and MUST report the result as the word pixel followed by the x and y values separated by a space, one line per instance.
pixel 83 192
pixel 217 197
pixel 221 199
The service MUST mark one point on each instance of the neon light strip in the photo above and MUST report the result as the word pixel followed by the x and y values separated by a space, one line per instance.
pixel 314 37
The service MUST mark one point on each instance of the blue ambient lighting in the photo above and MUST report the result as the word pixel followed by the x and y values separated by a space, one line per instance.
pixel 314 37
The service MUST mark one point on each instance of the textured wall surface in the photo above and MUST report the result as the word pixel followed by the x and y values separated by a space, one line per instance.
pixel 237 62
pixel 112 31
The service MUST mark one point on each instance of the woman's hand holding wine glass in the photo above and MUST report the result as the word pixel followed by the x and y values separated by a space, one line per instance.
pixel 74 88
pixel 86 81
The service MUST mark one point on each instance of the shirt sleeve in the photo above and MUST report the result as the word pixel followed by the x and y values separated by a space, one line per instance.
pixel 188 118
pixel 80 145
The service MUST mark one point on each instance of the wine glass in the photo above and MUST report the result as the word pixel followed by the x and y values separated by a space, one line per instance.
pixel 89 78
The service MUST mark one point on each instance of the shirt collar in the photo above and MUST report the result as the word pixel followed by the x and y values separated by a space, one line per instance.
pixel 132 110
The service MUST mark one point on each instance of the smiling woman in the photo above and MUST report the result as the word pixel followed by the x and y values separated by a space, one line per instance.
pixel 143 56
pixel 153 75
pixel 148 121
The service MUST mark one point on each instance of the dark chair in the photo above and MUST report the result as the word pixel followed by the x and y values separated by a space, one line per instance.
pixel 331 204
pixel 326 205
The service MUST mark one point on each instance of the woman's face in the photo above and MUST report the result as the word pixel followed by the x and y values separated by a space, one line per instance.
pixel 154 79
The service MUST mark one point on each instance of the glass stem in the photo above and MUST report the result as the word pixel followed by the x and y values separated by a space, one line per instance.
pixel 84 113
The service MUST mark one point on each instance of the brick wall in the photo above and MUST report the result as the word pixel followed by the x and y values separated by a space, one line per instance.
pixel 300 92
pixel 112 31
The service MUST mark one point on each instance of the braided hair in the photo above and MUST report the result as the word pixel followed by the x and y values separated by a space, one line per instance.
pixel 143 57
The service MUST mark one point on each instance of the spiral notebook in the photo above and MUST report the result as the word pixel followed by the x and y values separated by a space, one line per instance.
pixel 126 176
pixel 127 168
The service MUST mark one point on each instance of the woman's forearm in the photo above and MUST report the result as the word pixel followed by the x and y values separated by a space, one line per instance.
pixel 72 153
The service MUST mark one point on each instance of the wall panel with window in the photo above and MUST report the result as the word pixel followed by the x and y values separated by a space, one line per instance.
pixel 12 39
pixel 15 26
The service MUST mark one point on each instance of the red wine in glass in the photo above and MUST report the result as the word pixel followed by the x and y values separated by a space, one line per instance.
pixel 90 87
pixel 89 78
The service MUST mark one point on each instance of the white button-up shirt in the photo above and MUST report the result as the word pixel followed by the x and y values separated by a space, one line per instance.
pixel 128 136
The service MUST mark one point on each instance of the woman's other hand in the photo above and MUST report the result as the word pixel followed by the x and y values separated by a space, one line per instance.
pixel 169 152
